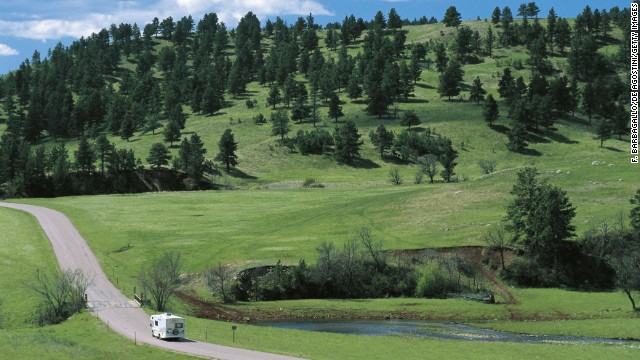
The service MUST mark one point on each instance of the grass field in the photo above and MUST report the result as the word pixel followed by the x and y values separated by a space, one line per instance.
pixel 270 217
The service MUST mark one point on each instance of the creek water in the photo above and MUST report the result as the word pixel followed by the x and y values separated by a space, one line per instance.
pixel 428 329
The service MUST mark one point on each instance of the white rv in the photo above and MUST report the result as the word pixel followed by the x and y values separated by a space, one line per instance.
pixel 167 326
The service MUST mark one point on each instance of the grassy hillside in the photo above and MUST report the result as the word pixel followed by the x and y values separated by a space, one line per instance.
pixel 270 217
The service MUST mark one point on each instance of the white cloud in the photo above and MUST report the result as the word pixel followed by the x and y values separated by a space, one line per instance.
pixel 83 24
pixel 7 51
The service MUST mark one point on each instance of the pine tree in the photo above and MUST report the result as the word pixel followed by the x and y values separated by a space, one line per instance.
pixel 603 130
pixel 517 137
pixel 477 92
pixel 382 139
pixel 394 22
pixel 280 124
pixel 452 17
pixel 85 157
pixel 274 98
pixel 354 90
pixel 171 132
pixel 228 147
pixel 441 58
pixel 490 111
pixel 450 80
pixel 159 155
pixel 335 110
pixel 495 16
pixel 347 143
pixel 409 119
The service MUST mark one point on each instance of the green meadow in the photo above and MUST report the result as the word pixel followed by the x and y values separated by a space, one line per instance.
pixel 269 216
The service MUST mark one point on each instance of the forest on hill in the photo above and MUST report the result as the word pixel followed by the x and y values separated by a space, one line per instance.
pixel 124 81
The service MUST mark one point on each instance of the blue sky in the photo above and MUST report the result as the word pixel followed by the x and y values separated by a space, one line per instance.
pixel 26 26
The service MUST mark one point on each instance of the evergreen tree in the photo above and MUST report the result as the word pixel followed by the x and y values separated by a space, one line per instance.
pixel 415 68
pixel 447 158
pixel 335 109
pixel 452 17
pixel 441 58
pixel 354 90
pixel 506 84
pixel 394 22
pixel 379 21
pixel 171 132
pixel 228 147
pixel 280 124
pixel 382 139
pixel 488 47
pixel 331 40
pixel 495 16
pixel 102 146
pixel 477 92
pixel 85 157
pixel 620 120
pixel 409 119
pixel 450 80
pixel 562 35
pixel 517 137
pixel 540 215
pixel 603 130
pixel 347 143
pixel 490 111
pixel 159 155
pixel 589 100
pixel 551 28
pixel 274 98
pixel 192 156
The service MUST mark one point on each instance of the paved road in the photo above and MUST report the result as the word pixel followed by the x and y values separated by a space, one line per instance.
pixel 107 302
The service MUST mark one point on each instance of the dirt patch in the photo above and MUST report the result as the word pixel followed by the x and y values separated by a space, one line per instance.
pixel 208 309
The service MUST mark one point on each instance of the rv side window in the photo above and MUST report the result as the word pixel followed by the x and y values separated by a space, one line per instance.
pixel 156 322
pixel 179 325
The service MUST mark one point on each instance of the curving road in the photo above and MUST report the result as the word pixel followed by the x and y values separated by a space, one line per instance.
pixel 107 302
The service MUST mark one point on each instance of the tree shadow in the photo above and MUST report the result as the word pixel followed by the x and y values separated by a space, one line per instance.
pixel 531 152
pixel 237 173
pixel 535 138
pixel 575 119
pixel 361 163
pixel 499 128
pixel 612 149
pixel 424 86
pixel 415 101
pixel 560 138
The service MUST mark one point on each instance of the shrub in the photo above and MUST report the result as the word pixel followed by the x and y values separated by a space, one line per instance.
pixel 433 283
pixel 313 142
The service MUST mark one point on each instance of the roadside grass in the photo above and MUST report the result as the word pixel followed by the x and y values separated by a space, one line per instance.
pixel 24 251
pixel 81 337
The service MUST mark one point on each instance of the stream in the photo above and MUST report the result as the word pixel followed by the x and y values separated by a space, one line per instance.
pixel 430 330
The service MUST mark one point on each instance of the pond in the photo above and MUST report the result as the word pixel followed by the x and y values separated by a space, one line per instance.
pixel 427 329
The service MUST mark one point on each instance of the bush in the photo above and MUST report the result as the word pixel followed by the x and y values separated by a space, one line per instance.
pixel 259 119
pixel 311 183
pixel 433 283
pixel 313 142
pixel 395 177
pixel 487 166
